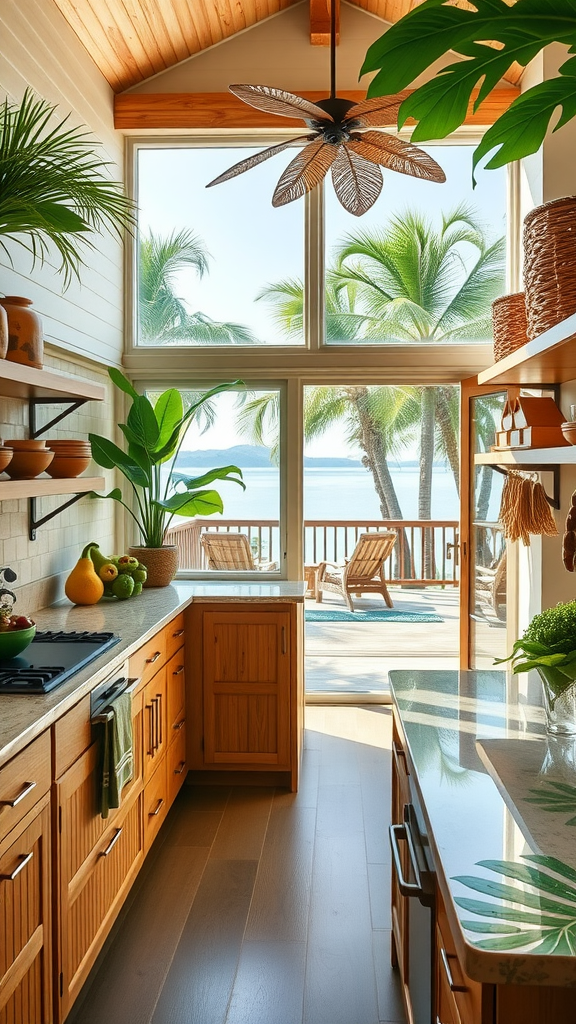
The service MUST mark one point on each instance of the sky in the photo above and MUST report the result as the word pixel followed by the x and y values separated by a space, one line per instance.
pixel 252 245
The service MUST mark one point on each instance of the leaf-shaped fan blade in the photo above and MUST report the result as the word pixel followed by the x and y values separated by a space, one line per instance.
pixel 304 172
pixel 389 151
pixel 277 101
pixel 379 112
pixel 257 158
pixel 357 183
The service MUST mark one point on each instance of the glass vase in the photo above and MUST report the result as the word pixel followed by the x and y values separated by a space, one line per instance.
pixel 559 702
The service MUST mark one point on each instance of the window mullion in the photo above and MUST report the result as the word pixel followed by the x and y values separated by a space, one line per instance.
pixel 314 269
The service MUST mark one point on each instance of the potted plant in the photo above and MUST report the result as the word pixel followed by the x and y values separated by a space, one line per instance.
pixel 54 186
pixel 154 435
pixel 549 646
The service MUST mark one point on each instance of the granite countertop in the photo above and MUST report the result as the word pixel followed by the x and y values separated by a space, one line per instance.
pixel 499 801
pixel 23 717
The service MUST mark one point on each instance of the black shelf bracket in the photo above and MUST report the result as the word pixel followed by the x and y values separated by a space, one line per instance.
pixel 34 524
pixel 553 500
pixel 73 404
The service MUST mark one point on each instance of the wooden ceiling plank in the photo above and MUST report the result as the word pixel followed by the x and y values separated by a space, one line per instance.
pixel 224 110
pixel 320 22
pixel 159 15
pixel 134 18
pixel 97 41
pixel 181 19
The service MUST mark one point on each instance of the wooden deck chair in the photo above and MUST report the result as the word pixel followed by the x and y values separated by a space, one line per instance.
pixel 491 583
pixel 231 552
pixel 362 574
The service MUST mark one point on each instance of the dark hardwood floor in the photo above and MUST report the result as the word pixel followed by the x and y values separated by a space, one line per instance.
pixel 258 906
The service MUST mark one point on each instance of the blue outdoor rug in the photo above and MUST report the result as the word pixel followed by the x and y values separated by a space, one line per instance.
pixel 343 615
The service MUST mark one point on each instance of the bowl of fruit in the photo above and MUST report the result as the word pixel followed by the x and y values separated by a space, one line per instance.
pixel 16 632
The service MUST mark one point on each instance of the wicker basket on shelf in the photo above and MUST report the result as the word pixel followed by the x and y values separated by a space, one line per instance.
pixel 509 324
pixel 550 264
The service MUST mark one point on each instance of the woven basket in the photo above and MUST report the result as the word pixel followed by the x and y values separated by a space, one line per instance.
pixel 161 563
pixel 550 264
pixel 509 324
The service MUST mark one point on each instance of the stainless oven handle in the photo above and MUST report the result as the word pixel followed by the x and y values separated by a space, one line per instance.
pixel 416 888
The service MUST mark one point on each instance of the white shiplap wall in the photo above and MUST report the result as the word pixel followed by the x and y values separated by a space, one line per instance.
pixel 39 49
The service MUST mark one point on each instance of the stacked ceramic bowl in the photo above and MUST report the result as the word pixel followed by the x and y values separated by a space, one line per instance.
pixel 29 458
pixel 71 458
pixel 5 456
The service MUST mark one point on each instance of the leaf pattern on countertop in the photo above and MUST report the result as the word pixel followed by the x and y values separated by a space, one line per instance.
pixel 559 797
pixel 547 926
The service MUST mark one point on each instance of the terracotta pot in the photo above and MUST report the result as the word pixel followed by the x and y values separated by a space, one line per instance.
pixel 161 563
pixel 25 332
pixel 3 332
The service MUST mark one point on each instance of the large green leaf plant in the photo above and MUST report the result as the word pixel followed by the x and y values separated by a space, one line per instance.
pixel 437 28
pixel 154 435
pixel 548 645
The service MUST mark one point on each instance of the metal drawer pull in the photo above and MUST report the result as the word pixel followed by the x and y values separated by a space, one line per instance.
pixel 150 661
pixel 28 787
pixel 284 648
pixel 112 843
pixel 152 814
pixel 26 858
pixel 150 708
pixel 397 832
pixel 159 705
pixel 400 753
pixel 179 632
pixel 179 725
pixel 178 671
pixel 453 986
pixel 180 768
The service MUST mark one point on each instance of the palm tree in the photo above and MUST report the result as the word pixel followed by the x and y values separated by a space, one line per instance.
pixel 164 319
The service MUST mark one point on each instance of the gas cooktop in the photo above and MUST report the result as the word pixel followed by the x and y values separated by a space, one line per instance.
pixel 51 659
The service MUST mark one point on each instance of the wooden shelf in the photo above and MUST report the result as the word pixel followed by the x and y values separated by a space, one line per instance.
pixel 529 457
pixel 19 381
pixel 548 359
pixel 44 485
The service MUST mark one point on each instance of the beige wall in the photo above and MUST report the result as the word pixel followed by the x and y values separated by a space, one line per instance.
pixel 40 50
pixel 84 325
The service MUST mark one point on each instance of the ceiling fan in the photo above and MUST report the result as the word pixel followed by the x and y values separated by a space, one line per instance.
pixel 340 140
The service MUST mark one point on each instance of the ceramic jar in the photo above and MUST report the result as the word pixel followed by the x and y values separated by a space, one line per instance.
pixel 25 332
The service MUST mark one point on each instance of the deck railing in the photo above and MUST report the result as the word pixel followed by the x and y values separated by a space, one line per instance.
pixel 335 541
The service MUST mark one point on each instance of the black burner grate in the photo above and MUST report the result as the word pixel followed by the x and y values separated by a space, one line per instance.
pixel 33 679
pixel 60 637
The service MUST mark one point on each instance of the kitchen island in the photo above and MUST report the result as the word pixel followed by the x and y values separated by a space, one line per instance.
pixel 484 816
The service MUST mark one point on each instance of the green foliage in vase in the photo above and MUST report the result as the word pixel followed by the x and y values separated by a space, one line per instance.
pixel 436 28
pixel 539 913
pixel 54 186
pixel 549 643
pixel 154 435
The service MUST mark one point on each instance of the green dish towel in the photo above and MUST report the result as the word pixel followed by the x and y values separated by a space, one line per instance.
pixel 117 753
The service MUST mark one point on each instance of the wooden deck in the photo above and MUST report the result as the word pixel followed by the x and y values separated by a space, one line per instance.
pixel 346 659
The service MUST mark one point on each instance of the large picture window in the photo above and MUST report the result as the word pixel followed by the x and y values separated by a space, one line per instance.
pixel 207 256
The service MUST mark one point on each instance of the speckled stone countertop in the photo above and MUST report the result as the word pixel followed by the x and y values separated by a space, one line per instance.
pixel 22 718
pixel 499 801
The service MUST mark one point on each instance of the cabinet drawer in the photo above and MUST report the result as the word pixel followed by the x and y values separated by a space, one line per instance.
pixel 72 736
pixel 174 635
pixel 459 997
pixel 23 781
pixel 149 658
pixel 176 694
pixel 155 804
pixel 176 765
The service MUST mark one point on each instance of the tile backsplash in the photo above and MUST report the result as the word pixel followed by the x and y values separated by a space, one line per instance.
pixel 43 564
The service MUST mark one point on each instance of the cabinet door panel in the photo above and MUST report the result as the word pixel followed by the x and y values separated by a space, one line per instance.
pixel 176 693
pixel 25 924
pixel 247 687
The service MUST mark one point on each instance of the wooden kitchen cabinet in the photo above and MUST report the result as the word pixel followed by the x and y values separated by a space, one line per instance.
pixel 246 689
pixel 25 919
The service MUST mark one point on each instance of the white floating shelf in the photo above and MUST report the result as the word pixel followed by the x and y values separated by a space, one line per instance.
pixel 529 457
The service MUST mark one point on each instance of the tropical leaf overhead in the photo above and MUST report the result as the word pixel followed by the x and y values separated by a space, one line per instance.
pixel 335 141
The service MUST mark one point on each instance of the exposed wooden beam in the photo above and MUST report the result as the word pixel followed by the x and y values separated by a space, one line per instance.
pixel 320 22
pixel 138 111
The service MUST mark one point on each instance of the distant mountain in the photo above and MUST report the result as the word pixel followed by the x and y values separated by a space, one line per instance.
pixel 251 456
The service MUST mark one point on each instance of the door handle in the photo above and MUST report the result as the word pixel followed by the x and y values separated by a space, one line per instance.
pixel 178 671
pixel 284 647
pixel 26 858
pixel 150 708
pixel 397 832
pixel 159 717
pixel 446 965
pixel 153 658
pixel 112 843
pixel 28 787
pixel 157 809
pixel 180 768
